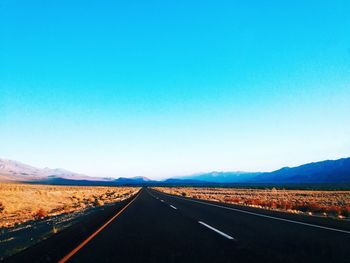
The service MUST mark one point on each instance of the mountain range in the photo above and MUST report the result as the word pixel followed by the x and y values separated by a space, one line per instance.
pixel 329 171
pixel 19 172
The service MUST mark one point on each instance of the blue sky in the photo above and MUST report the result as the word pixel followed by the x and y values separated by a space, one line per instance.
pixel 163 88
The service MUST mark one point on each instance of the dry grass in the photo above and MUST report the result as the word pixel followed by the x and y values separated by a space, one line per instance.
pixel 22 202
pixel 325 203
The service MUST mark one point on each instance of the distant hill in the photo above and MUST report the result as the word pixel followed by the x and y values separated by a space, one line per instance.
pixel 221 177
pixel 182 181
pixel 133 180
pixel 330 171
pixel 324 172
pixel 17 171
pixel 14 171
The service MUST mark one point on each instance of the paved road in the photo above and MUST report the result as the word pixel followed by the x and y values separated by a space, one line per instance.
pixel 156 227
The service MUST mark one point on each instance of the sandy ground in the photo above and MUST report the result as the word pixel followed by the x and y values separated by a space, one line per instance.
pixel 320 203
pixel 20 203
pixel 20 237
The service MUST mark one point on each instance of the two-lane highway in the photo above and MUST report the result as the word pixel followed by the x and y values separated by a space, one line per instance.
pixel 156 227
pixel 153 231
pixel 279 236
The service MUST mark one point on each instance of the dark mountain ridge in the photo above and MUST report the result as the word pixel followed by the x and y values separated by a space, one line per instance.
pixel 324 172
pixel 329 171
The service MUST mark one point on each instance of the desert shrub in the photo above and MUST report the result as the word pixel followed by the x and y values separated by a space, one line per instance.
pixel 40 214
pixel 2 207
pixel 57 210
pixel 315 208
pixel 300 207
pixel 98 202
pixel 334 210
pixel 252 202
pixel 272 204
pixel 284 205
pixel 345 211
pixel 66 207
pixel 307 201
pixel 184 194
pixel 232 199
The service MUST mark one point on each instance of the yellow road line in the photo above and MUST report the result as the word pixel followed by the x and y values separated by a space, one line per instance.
pixel 74 251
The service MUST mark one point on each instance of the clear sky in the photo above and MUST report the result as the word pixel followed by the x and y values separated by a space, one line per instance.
pixel 163 88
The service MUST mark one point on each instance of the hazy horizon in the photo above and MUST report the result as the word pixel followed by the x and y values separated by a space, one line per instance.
pixel 174 88
pixel 173 176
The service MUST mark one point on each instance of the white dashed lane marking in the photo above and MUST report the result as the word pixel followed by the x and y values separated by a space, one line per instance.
pixel 217 231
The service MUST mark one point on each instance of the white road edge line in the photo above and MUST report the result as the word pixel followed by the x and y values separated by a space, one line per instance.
pixel 266 216
pixel 173 206
pixel 217 231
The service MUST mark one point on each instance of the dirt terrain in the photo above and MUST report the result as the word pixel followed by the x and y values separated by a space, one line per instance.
pixel 20 203
pixel 322 203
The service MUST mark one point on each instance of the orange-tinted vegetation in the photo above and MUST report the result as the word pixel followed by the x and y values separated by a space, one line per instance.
pixel 324 203
pixel 22 202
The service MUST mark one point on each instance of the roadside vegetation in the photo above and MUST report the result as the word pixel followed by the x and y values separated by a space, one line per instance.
pixel 321 203
pixel 23 202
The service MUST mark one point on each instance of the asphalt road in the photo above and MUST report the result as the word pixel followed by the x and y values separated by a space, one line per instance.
pixel 156 227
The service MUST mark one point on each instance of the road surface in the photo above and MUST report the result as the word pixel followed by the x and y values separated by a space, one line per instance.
pixel 156 227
